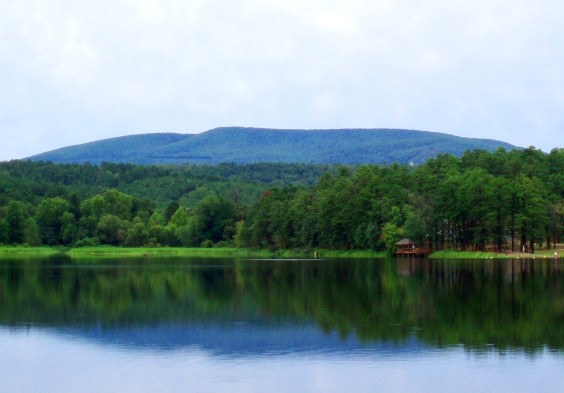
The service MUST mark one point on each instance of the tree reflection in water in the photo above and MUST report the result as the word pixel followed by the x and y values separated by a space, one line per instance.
pixel 504 304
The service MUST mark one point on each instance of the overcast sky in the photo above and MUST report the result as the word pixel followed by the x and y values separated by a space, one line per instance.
pixel 77 71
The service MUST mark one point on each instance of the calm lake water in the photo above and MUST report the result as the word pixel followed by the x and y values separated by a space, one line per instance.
pixel 177 325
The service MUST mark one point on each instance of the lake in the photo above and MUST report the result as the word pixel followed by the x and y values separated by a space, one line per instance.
pixel 235 325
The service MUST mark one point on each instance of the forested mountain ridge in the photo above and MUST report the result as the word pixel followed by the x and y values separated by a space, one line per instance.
pixel 254 145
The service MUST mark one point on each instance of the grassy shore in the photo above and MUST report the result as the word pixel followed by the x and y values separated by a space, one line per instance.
pixel 136 252
pixel 27 252
pixel 121 252
pixel 104 251
pixel 454 254
pixel 349 254
pixel 15 252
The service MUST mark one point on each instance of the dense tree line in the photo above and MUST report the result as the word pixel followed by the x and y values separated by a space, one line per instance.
pixel 134 205
pixel 505 200
pixel 511 200
pixel 118 219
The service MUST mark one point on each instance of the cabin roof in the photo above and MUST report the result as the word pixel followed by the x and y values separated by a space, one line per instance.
pixel 405 242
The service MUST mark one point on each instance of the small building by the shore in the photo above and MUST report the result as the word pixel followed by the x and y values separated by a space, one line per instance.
pixel 407 247
pixel 405 244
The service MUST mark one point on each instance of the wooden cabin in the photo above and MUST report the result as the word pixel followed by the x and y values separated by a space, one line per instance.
pixel 408 248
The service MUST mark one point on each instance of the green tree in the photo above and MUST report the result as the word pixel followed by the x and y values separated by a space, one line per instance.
pixel 156 219
pixel 4 232
pixel 112 230
pixel 94 207
pixel 143 208
pixel 533 212
pixel 556 222
pixel 169 236
pixel 414 228
pixel 171 208
pixel 180 217
pixel 74 203
pixel 391 234
pixel 137 235
pixel 49 216
pixel 499 210
pixel 156 235
pixel 473 199
pixel 16 215
pixel 215 218
pixel 31 232
pixel 187 234
pixel 239 238
pixel 118 204
pixel 69 228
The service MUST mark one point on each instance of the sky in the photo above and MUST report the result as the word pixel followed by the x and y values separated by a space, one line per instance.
pixel 78 71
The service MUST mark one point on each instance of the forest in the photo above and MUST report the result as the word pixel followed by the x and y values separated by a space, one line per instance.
pixel 503 200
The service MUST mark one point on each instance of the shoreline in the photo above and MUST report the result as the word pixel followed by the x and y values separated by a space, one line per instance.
pixel 18 252
pixel 454 254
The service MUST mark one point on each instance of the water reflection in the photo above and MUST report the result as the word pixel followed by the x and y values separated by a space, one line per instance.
pixel 242 307
pixel 39 360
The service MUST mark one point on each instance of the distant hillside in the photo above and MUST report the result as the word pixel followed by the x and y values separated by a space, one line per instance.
pixel 252 145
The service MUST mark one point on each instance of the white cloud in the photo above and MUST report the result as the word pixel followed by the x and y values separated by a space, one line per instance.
pixel 92 70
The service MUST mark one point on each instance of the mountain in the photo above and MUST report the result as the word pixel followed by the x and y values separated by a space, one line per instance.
pixel 240 338
pixel 252 145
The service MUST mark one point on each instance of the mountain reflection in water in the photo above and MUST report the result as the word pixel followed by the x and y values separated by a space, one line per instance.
pixel 241 307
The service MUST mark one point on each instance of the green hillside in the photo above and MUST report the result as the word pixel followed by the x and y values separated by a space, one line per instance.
pixel 253 145
pixel 30 182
